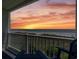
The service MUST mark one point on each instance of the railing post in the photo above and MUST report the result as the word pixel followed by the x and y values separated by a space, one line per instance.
pixel 27 45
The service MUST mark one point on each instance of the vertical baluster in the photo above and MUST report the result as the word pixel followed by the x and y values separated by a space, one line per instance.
pixel 38 42
pixel 35 42
pixel 63 47
pixel 45 46
pixel 58 42
pixel 31 44
pixel 53 46
pixel 41 43
pixel 48 47
pixel 27 44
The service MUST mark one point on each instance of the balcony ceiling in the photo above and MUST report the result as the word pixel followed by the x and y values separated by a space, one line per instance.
pixel 10 4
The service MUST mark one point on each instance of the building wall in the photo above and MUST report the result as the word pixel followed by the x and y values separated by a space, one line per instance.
pixel 5 15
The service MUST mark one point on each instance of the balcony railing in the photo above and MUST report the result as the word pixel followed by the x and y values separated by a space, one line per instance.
pixel 44 42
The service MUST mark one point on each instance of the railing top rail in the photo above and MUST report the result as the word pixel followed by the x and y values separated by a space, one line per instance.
pixel 45 35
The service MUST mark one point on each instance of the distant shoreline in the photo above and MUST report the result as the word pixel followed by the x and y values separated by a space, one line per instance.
pixel 44 30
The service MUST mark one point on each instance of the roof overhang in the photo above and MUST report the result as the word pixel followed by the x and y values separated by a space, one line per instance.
pixel 13 4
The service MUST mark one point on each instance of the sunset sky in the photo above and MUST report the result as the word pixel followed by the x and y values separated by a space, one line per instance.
pixel 45 14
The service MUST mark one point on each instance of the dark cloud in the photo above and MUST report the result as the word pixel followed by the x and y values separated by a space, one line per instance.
pixel 58 1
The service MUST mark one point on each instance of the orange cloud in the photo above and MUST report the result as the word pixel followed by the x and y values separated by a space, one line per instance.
pixel 46 17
